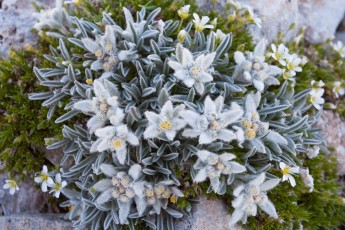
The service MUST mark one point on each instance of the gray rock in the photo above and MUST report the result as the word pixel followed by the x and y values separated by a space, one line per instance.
pixel 34 222
pixel 320 17
pixel 28 199
pixel 16 19
pixel 334 125
pixel 209 214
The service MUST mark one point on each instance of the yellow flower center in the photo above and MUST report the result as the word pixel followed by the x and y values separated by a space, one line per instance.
pixel 149 192
pixel 173 199
pixel 57 187
pixel 89 81
pixel 250 133
pixel 183 14
pixel 286 170
pixel 117 143
pixel 98 53
pixel 166 125
pixel 44 177
pixel 199 28
pixel 220 166
pixel 112 60
pixel 246 123
pixel 108 47
pixel 290 66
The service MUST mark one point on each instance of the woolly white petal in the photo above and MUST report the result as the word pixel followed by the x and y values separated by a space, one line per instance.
pixel 205 138
pixel 135 171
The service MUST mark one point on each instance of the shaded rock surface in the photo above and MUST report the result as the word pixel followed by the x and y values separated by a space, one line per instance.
pixel 321 18
pixel 28 199
pixel 334 125
pixel 34 222
pixel 209 214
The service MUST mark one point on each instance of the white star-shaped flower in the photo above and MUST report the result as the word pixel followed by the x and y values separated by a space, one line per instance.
pixel 168 122
pixel 201 24
pixel 57 185
pixel 213 123
pixel 44 179
pixel 11 185
pixel 287 171
pixel 192 72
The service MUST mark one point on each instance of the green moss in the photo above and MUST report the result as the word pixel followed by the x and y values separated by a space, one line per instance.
pixel 23 123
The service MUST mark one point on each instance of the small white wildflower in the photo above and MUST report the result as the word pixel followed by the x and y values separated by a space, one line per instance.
pixel 279 53
pixel 220 35
pixel 316 97
pixel 201 24
pixel 44 179
pixel 292 64
pixel 168 122
pixel 192 72
pixel 181 36
pixel 75 2
pixel 184 12
pixel 287 171
pixel 214 22
pixel 337 89
pixel 11 185
pixel 57 185
pixel 253 18
pixel 339 48
pixel 304 60
pixel 313 152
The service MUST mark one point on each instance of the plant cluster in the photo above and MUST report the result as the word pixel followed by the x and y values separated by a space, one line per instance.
pixel 158 108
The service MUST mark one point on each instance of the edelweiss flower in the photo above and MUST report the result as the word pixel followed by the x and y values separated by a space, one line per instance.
pixel 254 129
pixel 279 54
pixel 102 106
pixel 337 89
pixel 119 186
pixel 56 18
pixel 339 48
pixel 252 68
pixel 57 185
pixel 11 185
pixel 200 24
pixel 213 123
pixel 168 122
pixel 184 12
pixel 313 152
pixel 316 97
pixel 192 72
pixel 251 195
pixel 211 165
pixel 307 179
pixel 44 179
pixel 155 196
pixel 114 138
pixel 287 171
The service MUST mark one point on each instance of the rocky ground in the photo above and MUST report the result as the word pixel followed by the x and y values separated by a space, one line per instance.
pixel 321 18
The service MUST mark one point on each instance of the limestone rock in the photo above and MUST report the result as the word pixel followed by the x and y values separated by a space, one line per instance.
pixel 27 199
pixel 334 125
pixel 209 214
pixel 16 19
pixel 34 222
pixel 320 17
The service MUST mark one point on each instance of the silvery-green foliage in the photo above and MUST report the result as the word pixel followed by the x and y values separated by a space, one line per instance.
pixel 213 166
pixel 252 69
pixel 250 196
pixel 154 107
